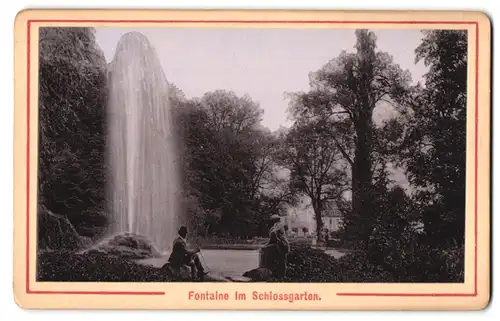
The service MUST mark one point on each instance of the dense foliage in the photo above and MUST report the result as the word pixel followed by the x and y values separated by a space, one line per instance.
pixel 70 267
pixel 438 129
pixel 346 91
pixel 72 125
pixel 305 264
pixel 230 178
pixel 426 140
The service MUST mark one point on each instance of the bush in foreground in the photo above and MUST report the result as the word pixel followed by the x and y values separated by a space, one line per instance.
pixel 422 265
pixel 71 267
pixel 305 264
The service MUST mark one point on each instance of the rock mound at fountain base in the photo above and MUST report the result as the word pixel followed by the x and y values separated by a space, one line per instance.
pixel 126 246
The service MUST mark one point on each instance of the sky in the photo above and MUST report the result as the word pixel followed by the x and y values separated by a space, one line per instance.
pixel 264 63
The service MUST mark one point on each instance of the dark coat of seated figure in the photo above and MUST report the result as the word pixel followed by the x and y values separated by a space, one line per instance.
pixel 181 256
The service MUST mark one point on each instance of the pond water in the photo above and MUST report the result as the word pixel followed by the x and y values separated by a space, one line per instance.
pixel 227 262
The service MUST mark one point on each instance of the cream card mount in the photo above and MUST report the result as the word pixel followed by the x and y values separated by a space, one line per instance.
pixel 287 160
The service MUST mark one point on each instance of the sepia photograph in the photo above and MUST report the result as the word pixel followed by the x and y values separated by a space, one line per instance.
pixel 249 160
pixel 285 155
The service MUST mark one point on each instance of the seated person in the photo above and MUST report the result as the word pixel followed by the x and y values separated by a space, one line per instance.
pixel 182 256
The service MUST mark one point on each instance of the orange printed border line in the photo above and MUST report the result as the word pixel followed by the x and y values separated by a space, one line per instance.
pixel 476 98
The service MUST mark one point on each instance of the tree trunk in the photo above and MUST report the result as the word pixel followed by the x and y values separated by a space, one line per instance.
pixel 318 208
pixel 362 176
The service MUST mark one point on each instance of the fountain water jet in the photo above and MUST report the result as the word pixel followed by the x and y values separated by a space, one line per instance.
pixel 142 154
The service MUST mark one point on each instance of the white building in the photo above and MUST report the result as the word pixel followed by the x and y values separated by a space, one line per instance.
pixel 301 220
pixel 332 223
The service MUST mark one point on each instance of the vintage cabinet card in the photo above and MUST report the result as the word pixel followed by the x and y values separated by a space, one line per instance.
pixel 313 160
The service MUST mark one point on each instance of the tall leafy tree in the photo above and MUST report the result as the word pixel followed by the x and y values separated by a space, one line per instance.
pixel 229 164
pixel 347 90
pixel 436 140
pixel 315 165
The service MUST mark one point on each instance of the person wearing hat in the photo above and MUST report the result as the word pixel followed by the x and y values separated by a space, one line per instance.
pixel 182 256
pixel 277 238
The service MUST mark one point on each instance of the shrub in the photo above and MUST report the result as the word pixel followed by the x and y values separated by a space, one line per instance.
pixel 421 264
pixel 67 266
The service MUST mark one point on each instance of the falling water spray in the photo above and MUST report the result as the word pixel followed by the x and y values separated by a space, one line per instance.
pixel 141 145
